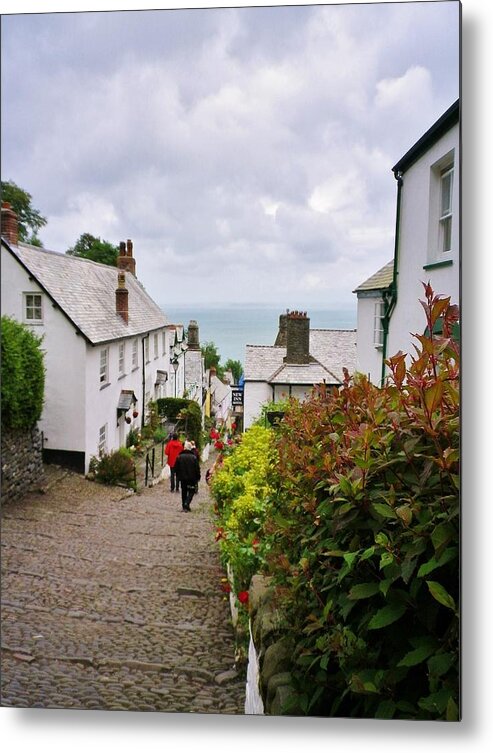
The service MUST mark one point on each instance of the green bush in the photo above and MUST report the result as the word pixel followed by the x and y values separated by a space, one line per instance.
pixel 190 422
pixel 160 435
pixel 115 468
pixel 365 538
pixel 170 407
pixel 23 376
pixel 242 488
pixel 132 438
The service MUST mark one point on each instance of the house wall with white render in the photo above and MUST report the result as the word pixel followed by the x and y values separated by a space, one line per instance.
pixel 63 419
pixel 421 257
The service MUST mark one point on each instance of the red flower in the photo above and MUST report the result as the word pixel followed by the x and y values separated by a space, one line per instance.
pixel 255 543
pixel 243 597
pixel 225 587
pixel 219 534
pixel 219 445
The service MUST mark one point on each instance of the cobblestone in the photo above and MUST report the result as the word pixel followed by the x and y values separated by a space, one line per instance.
pixel 114 602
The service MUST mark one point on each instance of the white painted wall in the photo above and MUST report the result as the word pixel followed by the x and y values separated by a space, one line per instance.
pixel 369 357
pixel 417 232
pixel 63 417
pixel 101 402
pixel 194 375
pixel 255 395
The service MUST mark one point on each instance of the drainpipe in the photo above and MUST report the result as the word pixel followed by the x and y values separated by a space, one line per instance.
pixel 390 295
pixel 146 337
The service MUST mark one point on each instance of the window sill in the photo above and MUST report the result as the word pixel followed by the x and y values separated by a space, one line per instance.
pixel 103 386
pixel 437 264
pixel 135 368
pixel 33 323
pixel 378 347
pixel 122 376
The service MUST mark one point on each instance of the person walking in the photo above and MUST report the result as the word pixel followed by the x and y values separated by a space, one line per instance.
pixel 172 450
pixel 187 469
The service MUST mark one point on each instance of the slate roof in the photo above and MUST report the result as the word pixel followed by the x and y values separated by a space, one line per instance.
pixel 85 291
pixel 380 280
pixel 330 349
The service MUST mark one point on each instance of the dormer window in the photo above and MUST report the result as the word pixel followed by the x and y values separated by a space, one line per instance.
pixel 33 308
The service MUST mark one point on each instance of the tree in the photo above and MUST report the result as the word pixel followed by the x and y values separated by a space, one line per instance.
pixel 95 249
pixel 212 358
pixel 30 219
pixel 235 367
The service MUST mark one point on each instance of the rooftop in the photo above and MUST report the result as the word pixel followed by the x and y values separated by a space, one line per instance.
pixel 380 280
pixel 85 291
pixel 331 350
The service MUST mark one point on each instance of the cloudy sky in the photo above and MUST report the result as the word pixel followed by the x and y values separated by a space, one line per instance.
pixel 247 152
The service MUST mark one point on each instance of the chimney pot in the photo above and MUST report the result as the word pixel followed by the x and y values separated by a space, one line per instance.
pixel 125 260
pixel 297 338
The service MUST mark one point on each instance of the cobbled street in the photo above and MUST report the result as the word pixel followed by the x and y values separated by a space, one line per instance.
pixel 114 602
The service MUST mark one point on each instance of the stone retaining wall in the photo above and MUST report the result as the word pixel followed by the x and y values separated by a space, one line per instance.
pixel 269 683
pixel 22 462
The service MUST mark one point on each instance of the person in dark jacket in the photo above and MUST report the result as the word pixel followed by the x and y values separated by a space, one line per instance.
pixel 187 469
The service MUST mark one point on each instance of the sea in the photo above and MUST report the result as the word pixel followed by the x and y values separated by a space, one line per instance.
pixel 233 327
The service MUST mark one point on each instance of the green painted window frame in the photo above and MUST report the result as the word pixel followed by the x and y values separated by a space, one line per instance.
pixel 436 264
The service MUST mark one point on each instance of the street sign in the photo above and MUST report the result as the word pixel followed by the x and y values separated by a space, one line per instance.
pixel 236 396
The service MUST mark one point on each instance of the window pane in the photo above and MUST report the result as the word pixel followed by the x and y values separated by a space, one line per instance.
pixel 447 193
pixel 447 234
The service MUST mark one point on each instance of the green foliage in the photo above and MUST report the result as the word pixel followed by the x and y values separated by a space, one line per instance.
pixel 115 469
pixel 160 435
pixel 23 375
pixel 281 406
pixel 170 407
pixel 90 247
pixel 187 415
pixel 364 540
pixel 235 367
pixel 132 438
pixel 30 220
pixel 242 488
pixel 190 422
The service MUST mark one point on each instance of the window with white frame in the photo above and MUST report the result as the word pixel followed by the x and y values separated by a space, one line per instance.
pixel 33 308
pixel 156 345
pixel 121 359
pixel 378 314
pixel 104 366
pixel 441 209
pixel 102 440
pixel 445 221
pixel 147 356
pixel 135 353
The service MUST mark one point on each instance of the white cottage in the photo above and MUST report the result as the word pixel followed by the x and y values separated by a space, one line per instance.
pixel 105 341
pixel 427 245
pixel 299 359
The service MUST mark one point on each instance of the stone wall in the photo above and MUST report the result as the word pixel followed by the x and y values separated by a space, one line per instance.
pixel 22 462
pixel 269 686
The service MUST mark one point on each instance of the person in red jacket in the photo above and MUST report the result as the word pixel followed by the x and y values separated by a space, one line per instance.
pixel 172 450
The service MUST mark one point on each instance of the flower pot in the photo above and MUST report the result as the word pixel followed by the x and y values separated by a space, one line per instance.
pixel 128 419
pixel 135 413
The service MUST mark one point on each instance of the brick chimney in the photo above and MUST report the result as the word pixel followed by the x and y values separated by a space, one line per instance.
pixel 297 337
pixel 122 298
pixel 125 260
pixel 193 335
pixel 281 335
pixel 10 225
